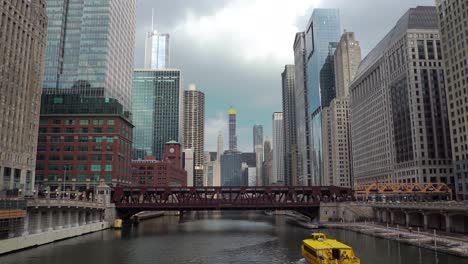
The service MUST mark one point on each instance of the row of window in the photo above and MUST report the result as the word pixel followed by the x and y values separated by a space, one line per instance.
pixel 83 122
pixel 41 148
pixel 57 139
pixel 78 167
pixel 81 130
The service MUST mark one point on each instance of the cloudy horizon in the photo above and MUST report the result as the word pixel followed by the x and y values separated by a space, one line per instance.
pixel 235 50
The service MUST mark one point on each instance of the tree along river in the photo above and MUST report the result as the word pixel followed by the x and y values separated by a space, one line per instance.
pixel 215 237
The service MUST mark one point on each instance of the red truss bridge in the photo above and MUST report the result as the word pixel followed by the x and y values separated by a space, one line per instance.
pixel 135 199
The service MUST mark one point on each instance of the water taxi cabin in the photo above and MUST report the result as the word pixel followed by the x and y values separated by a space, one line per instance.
pixel 320 250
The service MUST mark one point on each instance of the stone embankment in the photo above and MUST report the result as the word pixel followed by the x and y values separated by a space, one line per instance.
pixel 454 245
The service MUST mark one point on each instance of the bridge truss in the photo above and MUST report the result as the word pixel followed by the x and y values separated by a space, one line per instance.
pixel 222 198
pixel 416 191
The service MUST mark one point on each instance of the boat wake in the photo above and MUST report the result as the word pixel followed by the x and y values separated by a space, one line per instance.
pixel 301 261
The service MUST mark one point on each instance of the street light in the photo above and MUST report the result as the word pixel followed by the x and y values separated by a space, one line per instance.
pixel 64 179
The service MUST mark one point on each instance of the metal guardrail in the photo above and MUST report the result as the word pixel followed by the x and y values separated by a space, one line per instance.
pixel 64 203
pixel 431 205
pixel 12 204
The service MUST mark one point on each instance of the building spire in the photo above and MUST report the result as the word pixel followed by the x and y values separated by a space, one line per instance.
pixel 152 19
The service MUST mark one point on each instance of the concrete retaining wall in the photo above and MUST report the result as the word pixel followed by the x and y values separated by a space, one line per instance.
pixel 347 212
pixel 18 243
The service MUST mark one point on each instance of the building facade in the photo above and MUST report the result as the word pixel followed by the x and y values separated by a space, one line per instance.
pixel 302 111
pixel 83 140
pixel 323 28
pixel 90 47
pixel 157 50
pixel 231 169
pixel 257 136
pixel 278 148
pixel 22 42
pixel 327 77
pixel 157 111
pixel 398 107
pixel 232 129
pixel 453 27
pixel 347 59
pixel 290 136
pixel 150 172
pixel 189 166
pixel 194 129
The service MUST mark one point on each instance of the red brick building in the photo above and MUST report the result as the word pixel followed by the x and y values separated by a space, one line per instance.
pixel 87 139
pixel 169 172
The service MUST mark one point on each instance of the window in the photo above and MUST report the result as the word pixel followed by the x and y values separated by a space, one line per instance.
pixel 53 167
pixel 84 122
pixel 97 139
pixel 95 177
pixel 67 157
pixel 111 122
pixel 80 177
pixel 83 130
pixel 96 157
pixel 108 167
pixel 44 121
pixel 108 148
pixel 83 139
pixel 40 157
pixel 95 167
pixel 69 139
pixel 56 130
pixel 81 167
pixel 97 130
pixel 82 157
pixel 54 148
pixel 41 148
pixel 109 139
pixel 43 130
pixel 109 157
pixel 56 122
pixel 57 100
pixel 98 122
pixel 69 122
pixel 97 148
pixel 68 148
pixel 54 157
pixel 42 139
pixel 52 177
pixel 69 130
pixel 108 177
pixel 110 130
pixel 82 148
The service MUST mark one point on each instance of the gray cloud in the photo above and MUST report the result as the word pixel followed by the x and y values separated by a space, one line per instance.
pixel 253 86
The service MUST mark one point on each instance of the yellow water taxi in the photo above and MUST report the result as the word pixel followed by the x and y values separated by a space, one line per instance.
pixel 118 223
pixel 320 250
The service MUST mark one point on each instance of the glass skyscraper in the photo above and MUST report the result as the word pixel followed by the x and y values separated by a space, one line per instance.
pixel 323 28
pixel 90 47
pixel 157 50
pixel 157 111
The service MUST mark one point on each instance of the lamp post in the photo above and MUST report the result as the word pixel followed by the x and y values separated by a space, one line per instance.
pixel 64 180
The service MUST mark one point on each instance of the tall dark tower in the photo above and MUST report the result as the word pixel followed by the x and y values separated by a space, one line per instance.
pixel 232 129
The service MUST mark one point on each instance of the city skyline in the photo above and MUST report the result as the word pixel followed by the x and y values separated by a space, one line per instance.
pixel 259 77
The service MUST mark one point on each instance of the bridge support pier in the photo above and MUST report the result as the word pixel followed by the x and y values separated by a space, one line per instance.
pixel 407 216
pixel 25 230
pixel 392 217
pixel 59 220
pixel 425 216
pixel 448 226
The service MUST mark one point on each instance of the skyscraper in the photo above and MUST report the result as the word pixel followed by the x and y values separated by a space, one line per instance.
pixel 302 111
pixel 290 137
pixel 90 47
pixel 322 29
pixel 453 27
pixel 157 50
pixel 220 146
pixel 399 121
pixel 257 136
pixel 347 60
pixel 194 124
pixel 22 45
pixel 327 77
pixel 278 149
pixel 231 168
pixel 157 111
pixel 232 129
pixel 267 148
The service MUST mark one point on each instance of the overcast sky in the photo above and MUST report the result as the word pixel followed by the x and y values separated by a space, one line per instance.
pixel 235 50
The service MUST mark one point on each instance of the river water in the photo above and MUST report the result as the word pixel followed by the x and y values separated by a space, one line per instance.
pixel 215 237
